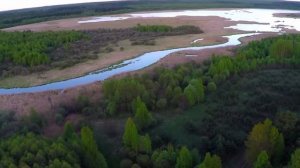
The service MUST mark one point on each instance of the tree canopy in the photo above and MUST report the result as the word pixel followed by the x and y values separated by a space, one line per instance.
pixel 131 136
pixel 211 161
pixel 31 48
pixel 34 151
pixel 265 137
pixel 262 161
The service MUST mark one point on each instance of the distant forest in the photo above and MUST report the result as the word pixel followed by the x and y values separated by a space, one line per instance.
pixel 27 16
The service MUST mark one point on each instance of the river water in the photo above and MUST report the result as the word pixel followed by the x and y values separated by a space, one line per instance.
pixel 264 18
pixel 134 64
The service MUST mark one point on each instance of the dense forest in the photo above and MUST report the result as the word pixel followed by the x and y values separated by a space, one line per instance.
pixel 240 111
pixel 30 48
pixel 22 53
pixel 27 16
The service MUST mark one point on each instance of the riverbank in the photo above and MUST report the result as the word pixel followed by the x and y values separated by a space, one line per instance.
pixel 47 102
pixel 213 28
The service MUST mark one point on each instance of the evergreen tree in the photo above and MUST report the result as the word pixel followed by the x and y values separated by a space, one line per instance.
pixel 211 161
pixel 142 117
pixel 92 156
pixel 130 136
pixel 262 161
pixel 184 159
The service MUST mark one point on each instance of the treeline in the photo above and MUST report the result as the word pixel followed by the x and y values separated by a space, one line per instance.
pixel 153 28
pixel 32 48
pixel 165 28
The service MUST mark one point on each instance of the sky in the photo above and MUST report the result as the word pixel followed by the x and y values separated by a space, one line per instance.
pixel 20 4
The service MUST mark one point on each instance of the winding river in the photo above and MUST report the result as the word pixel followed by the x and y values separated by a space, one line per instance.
pixel 257 20
pixel 134 64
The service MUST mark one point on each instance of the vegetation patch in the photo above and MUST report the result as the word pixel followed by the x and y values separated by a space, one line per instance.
pixel 192 115
pixel 25 52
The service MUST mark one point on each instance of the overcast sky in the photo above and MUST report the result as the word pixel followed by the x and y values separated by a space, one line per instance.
pixel 20 4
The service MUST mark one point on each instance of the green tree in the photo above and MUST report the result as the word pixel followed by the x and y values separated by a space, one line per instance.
pixel 34 151
pixel 262 160
pixel 93 158
pixel 211 86
pixel 130 136
pixel 295 159
pixel 69 132
pixel 120 94
pixel 184 159
pixel 142 117
pixel 264 136
pixel 211 161
pixel 199 87
pixel 189 92
pixel 164 158
pixel 145 144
